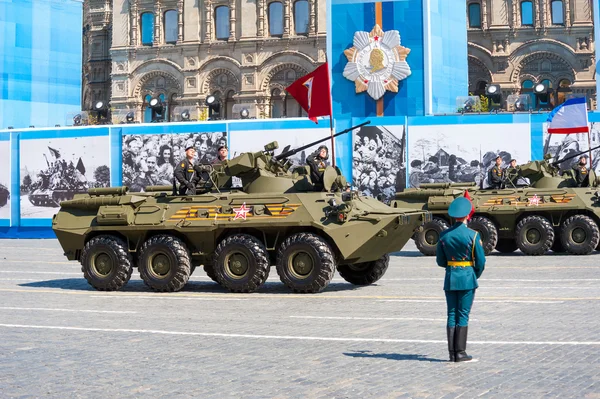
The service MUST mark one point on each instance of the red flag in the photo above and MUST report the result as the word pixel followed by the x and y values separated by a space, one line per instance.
pixel 312 93
pixel 467 196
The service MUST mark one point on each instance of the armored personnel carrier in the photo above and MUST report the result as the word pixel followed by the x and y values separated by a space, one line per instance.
pixel 550 212
pixel 51 198
pixel 4 195
pixel 275 218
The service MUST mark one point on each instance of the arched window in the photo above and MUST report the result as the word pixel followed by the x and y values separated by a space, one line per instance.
pixel 171 26
pixel 276 104
pixel 474 15
pixel 564 89
pixel 276 19
pixel 147 28
pixel 480 89
pixel 526 13
pixel 222 22
pixel 301 17
pixel 527 88
pixel 558 16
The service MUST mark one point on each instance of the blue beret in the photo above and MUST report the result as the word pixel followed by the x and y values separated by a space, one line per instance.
pixel 460 208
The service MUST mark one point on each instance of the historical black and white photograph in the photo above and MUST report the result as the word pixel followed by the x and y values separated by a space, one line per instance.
pixel 5 179
pixel 54 170
pixel 464 153
pixel 287 139
pixel 149 159
pixel 561 146
pixel 379 168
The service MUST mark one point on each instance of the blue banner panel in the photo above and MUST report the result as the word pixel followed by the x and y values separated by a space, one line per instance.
pixel 40 62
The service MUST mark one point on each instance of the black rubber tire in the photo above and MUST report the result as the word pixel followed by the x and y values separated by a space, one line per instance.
pixel 176 253
pixel 427 239
pixel 256 255
pixel 488 233
pixel 320 254
pixel 365 273
pixel 506 245
pixel 117 252
pixel 209 269
pixel 542 228
pixel 580 224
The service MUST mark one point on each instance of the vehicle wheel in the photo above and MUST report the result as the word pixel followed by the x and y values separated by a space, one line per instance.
pixel 487 232
pixel 241 263
pixel 535 235
pixel 428 238
pixel 106 263
pixel 579 235
pixel 506 246
pixel 365 273
pixel 305 263
pixel 209 269
pixel 165 263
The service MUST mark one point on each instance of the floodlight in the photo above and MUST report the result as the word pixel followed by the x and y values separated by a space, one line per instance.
pixel 77 120
pixel 540 88
pixel 214 108
pixel 494 95
pixel 101 108
pixel 542 95
pixel 185 115
pixel 157 109
pixel 244 113
pixel 129 117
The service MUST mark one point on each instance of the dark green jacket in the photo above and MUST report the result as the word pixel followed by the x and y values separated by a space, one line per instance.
pixel 460 244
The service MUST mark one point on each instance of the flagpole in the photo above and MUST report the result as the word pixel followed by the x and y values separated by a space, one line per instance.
pixel 589 136
pixel 330 114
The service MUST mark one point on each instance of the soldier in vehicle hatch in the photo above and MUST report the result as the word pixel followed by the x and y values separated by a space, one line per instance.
pixel 581 172
pixel 317 164
pixel 185 174
pixel 495 174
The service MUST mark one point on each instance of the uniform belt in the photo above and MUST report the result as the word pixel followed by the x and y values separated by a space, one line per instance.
pixel 460 263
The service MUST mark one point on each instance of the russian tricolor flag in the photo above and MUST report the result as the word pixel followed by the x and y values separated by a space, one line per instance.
pixel 569 117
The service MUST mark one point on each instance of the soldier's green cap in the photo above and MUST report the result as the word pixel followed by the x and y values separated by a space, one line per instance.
pixel 459 208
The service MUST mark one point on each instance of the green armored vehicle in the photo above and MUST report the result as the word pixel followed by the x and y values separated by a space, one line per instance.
pixel 550 212
pixel 275 218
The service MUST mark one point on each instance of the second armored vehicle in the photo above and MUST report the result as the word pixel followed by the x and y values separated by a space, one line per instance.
pixel 551 212
pixel 275 218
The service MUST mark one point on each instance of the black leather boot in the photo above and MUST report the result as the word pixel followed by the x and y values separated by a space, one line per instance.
pixel 460 344
pixel 450 331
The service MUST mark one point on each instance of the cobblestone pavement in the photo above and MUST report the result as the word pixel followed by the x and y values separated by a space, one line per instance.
pixel 534 330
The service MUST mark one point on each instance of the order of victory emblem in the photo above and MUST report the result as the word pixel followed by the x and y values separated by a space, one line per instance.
pixel 377 62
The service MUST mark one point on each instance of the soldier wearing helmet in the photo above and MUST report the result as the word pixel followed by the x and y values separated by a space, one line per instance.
pixel 317 164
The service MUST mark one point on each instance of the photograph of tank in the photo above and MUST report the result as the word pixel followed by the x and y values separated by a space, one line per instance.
pixel 54 170
pixel 464 153
pixel 4 179
pixel 149 159
pixel 561 146
pixel 378 167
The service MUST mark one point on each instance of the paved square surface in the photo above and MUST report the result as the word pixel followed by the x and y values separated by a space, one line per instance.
pixel 534 329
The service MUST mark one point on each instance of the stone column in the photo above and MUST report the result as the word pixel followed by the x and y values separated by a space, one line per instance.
pixel 515 14
pixel 157 23
pixel 536 16
pixel 179 21
pixel 567 15
pixel 286 18
pixel 484 24
pixel 134 23
pixel 231 20
pixel 312 19
pixel 208 21
pixel 261 18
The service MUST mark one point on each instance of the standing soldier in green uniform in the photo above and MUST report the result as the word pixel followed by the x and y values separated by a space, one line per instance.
pixel 185 174
pixel 460 251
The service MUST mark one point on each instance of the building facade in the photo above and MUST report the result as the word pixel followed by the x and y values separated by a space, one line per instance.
pixel 182 51
pixel 520 43
pixel 97 36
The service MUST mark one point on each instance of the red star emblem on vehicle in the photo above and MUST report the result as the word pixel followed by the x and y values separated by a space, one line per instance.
pixel 241 212
pixel 376 38
pixel 535 200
